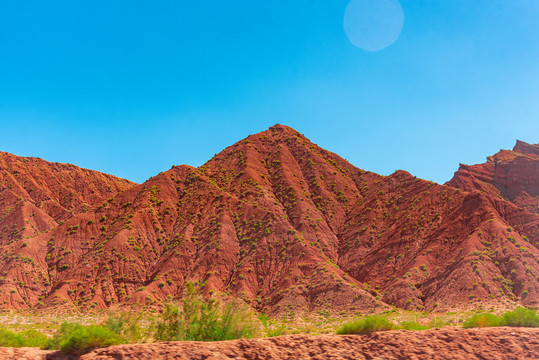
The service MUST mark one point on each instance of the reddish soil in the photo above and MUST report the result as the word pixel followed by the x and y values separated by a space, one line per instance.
pixel 277 221
pixel 446 343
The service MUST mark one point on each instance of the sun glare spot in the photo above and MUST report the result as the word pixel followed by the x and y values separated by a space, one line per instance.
pixel 373 25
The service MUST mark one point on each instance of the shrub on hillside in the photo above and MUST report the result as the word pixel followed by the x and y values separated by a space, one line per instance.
pixel 366 325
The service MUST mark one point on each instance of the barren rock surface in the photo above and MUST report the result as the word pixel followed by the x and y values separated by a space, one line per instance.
pixel 446 343
pixel 500 343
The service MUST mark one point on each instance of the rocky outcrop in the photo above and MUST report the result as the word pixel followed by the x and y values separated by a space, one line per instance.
pixel 510 174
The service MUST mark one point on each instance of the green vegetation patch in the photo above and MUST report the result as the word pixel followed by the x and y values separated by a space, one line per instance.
pixel 78 339
pixel 520 317
pixel 205 320
pixel 28 338
pixel 366 325
pixel 482 320
pixel 412 325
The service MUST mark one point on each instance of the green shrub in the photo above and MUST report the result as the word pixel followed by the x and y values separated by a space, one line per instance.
pixel 205 320
pixel 412 325
pixel 521 317
pixel 28 338
pixel 482 320
pixel 271 328
pixel 78 339
pixel 127 326
pixel 366 325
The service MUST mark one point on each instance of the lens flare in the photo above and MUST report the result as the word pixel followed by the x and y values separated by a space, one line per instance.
pixel 373 25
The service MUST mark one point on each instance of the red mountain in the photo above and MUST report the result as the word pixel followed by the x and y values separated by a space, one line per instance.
pixel 510 175
pixel 286 226
pixel 35 197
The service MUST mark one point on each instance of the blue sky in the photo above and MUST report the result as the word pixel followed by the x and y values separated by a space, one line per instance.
pixel 132 87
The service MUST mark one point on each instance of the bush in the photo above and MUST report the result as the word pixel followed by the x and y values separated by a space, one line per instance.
pixel 518 317
pixel 412 325
pixel 127 326
pixel 271 328
pixel 482 320
pixel 201 320
pixel 521 317
pixel 78 339
pixel 28 338
pixel 365 325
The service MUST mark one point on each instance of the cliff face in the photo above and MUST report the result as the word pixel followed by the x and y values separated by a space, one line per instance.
pixel 511 175
pixel 283 224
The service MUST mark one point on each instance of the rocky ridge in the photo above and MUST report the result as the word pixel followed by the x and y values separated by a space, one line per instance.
pixel 510 174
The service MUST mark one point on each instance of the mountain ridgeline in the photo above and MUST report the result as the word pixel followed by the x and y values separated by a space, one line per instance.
pixel 276 221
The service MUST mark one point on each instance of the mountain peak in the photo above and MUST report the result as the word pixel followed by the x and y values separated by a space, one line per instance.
pixel 510 175
pixel 525 148
pixel 281 127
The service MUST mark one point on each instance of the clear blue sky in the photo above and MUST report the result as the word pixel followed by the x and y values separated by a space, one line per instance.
pixel 132 87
